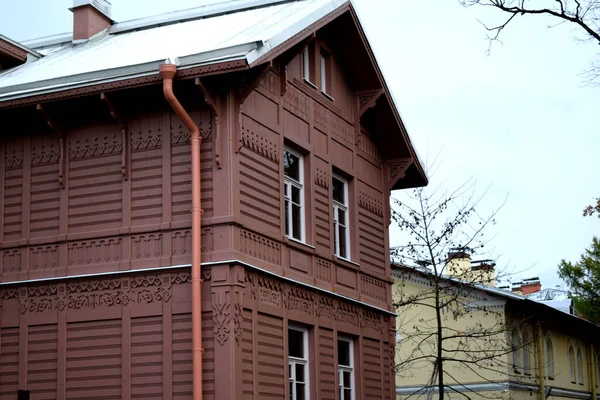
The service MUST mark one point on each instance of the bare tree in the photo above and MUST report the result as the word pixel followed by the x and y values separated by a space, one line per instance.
pixel 449 324
pixel 582 14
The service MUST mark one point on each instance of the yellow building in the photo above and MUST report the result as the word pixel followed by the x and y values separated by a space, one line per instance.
pixel 496 344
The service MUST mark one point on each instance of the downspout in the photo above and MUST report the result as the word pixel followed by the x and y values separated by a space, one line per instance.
pixel 167 73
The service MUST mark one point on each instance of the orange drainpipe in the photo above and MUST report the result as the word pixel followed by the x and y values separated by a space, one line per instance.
pixel 167 73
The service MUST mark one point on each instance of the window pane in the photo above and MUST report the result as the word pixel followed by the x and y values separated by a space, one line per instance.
pixel 299 391
pixel 342 240
pixel 347 381
pixel 295 195
pixel 296 223
pixel 343 352
pixel 295 343
pixel 300 373
pixel 291 390
pixel 347 394
pixel 341 214
pixel 287 223
pixel 291 165
pixel 338 191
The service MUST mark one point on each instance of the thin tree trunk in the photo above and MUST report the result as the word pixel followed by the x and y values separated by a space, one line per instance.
pixel 439 359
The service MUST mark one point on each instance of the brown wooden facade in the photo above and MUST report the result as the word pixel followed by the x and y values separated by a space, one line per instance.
pixel 95 297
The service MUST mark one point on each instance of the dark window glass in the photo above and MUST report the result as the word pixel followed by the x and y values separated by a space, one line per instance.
pixel 291 166
pixel 296 234
pixel 343 352
pixel 295 343
pixel 342 238
pixel 338 191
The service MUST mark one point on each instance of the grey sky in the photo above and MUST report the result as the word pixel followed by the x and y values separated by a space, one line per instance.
pixel 519 121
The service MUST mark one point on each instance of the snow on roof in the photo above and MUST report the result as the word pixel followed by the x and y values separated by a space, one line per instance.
pixel 235 30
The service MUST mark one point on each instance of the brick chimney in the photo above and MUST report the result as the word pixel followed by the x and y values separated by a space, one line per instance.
pixel 90 17
pixel 531 285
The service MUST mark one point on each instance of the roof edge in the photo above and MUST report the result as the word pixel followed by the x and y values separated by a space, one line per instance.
pixel 190 14
pixel 16 49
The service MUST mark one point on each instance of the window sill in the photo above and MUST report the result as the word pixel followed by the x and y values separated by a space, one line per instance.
pixel 327 95
pixel 310 83
pixel 300 245
pixel 346 263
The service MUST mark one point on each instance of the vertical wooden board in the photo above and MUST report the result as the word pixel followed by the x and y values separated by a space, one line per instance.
pixel 182 356
pixel 13 197
pixel 94 367
pixel 42 347
pixel 259 184
pixel 147 357
pixel 326 367
pixel 95 179
pixel 387 378
pixel 146 169
pixel 271 357
pixel 247 355
pixel 9 363
pixel 371 369
pixel 208 357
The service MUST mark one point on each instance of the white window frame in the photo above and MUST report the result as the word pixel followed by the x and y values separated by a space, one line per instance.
pixel 294 361
pixel 347 368
pixel 336 206
pixel 516 342
pixel 579 358
pixel 306 64
pixel 571 355
pixel 287 196
pixel 549 358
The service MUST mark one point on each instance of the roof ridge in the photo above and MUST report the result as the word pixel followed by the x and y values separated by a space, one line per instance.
pixel 190 14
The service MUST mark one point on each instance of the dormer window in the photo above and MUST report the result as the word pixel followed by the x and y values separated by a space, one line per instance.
pixel 325 72
pixel 308 63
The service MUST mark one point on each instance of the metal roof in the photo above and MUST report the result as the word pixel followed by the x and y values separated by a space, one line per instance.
pixel 224 32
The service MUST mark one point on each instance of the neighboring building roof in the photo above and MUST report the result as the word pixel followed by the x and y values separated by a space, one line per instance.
pixel 551 307
pixel 238 30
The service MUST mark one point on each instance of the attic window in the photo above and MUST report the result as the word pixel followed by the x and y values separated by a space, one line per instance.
pixel 308 63
pixel 325 72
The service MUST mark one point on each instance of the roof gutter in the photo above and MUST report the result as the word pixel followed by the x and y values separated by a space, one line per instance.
pixel 167 73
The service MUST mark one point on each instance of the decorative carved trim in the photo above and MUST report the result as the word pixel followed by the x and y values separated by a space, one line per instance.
pixel 373 288
pixel 326 308
pixel 329 122
pixel 206 273
pixel 367 149
pixel 43 257
pixel 96 147
pixel 11 260
pixel 322 178
pixel 259 145
pixel 367 99
pixel 397 169
pixel 146 140
pixel 180 135
pixel 97 251
pixel 270 86
pixel 45 154
pixel 270 291
pixel 221 317
pixel 347 313
pixel 9 294
pixel 147 246
pixel 297 299
pixel 323 270
pixel 370 204
pixel 371 319
pixel 12 50
pixel 238 320
pixel 296 102
pixel 260 247
pixel 181 241
pixel 13 154
pixel 99 293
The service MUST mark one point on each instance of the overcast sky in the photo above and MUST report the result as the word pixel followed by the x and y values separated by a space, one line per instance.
pixel 518 121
